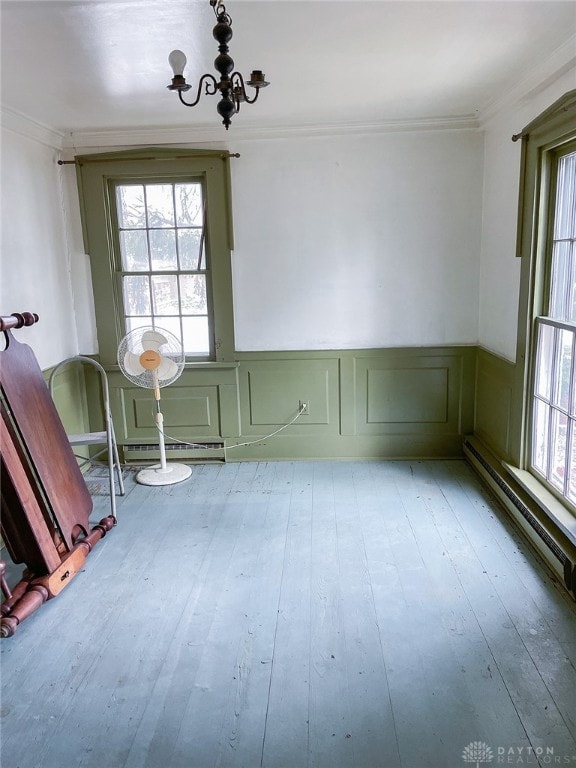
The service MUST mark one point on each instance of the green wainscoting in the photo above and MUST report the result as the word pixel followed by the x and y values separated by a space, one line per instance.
pixel 494 398
pixel 394 403
pixel 377 403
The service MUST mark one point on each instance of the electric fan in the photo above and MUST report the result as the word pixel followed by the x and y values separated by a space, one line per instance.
pixel 153 358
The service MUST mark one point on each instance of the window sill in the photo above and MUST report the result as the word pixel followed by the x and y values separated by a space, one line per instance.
pixel 210 365
pixel 204 365
pixel 553 507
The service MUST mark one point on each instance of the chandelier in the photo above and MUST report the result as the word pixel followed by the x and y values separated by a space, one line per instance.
pixel 231 85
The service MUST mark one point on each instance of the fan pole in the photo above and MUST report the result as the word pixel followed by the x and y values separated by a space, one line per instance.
pixel 159 424
pixel 162 474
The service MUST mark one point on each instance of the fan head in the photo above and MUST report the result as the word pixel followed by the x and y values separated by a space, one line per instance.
pixel 151 357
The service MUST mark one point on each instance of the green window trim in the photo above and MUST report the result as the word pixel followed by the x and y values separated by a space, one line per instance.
pixel 98 176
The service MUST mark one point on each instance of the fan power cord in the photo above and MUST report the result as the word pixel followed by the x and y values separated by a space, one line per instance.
pixel 303 407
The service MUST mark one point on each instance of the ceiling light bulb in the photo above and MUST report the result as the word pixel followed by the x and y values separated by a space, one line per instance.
pixel 177 61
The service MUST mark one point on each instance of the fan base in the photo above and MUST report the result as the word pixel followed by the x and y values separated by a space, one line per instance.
pixel 155 475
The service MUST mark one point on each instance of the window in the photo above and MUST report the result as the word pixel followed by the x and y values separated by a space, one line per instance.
pixel 553 452
pixel 545 389
pixel 157 226
pixel 163 257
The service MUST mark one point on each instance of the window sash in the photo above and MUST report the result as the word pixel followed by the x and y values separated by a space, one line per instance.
pixel 164 293
pixel 553 454
pixel 553 426
pixel 185 315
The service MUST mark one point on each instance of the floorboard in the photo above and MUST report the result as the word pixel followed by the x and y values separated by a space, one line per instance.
pixel 298 615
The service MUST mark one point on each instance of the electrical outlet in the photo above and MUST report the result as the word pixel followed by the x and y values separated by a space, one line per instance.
pixel 303 407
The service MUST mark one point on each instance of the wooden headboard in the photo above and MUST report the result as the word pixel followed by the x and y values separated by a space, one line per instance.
pixel 45 501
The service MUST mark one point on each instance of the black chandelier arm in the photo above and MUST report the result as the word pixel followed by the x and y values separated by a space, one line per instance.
pixel 207 80
pixel 239 83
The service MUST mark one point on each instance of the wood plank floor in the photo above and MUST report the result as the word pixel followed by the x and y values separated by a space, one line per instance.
pixel 292 615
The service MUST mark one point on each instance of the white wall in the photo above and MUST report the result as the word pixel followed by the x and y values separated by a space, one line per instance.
pixel 500 269
pixel 36 273
pixel 357 241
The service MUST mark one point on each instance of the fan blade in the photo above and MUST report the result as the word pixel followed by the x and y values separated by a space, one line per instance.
pixel 133 365
pixel 167 369
pixel 153 340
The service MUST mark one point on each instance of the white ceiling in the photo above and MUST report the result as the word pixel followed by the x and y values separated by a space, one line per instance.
pixel 91 65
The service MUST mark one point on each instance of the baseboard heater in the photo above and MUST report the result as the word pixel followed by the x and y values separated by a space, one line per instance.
pixel 556 547
pixel 151 451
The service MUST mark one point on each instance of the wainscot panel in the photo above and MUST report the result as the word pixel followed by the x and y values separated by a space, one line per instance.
pixel 409 393
pixel 272 390
pixel 494 387
pixel 181 407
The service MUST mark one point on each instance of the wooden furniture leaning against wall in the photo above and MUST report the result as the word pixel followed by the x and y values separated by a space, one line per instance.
pixel 45 503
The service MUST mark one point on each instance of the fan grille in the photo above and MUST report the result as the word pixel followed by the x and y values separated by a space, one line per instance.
pixel 144 339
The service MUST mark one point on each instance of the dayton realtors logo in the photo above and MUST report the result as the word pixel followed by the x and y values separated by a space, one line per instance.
pixel 478 753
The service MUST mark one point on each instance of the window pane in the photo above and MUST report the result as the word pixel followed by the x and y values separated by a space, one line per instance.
pixel 137 322
pixel 196 336
pixel 188 198
pixel 131 206
pixel 572 286
pixel 540 436
pixel 544 361
pixel 558 449
pixel 134 250
pixel 136 290
pixel 563 369
pixel 572 465
pixel 165 294
pixel 171 324
pixel 189 241
pixel 561 257
pixel 572 404
pixel 565 213
pixel 193 294
pixel 163 249
pixel 160 204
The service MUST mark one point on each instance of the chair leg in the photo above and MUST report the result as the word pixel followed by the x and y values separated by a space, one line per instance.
pixel 112 485
pixel 117 461
pixel 110 443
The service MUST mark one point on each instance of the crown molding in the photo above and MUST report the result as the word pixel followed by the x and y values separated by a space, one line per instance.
pixel 535 80
pixel 14 121
pixel 204 134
